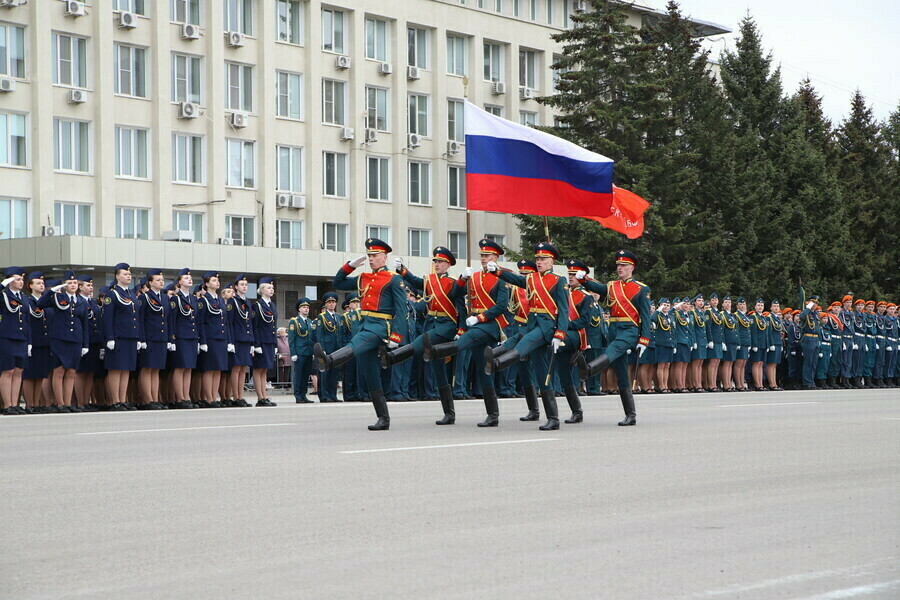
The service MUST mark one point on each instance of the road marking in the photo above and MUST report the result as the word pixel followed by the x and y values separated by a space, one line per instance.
pixel 448 446
pixel 891 418
pixel 185 428
pixel 765 404
pixel 862 590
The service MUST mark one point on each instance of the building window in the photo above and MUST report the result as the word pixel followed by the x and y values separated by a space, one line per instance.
pixel 456 187
pixel 289 234
pixel 493 62
pixel 335 236
pixel 288 94
pixel 456 129
pixel 457 48
pixel 239 16
pixel 498 6
pixel 516 7
pixel 420 242
pixel 558 71
pixel 131 152
pixel 71 143
pixel 528 118
pixel 135 6
pixel 528 69
pixel 549 12
pixel 457 242
pixel 186 72
pixel 12 51
pixel 239 156
pixel 420 183
pixel 332 31
pixel 497 238
pixel 335 183
pixel 131 71
pixel 333 102
pixel 132 223
pixel 377 108
pixel 189 221
pixel 13 218
pixel 376 39
pixel 289 169
pixel 12 140
pixel 378 176
pixel 69 60
pixel 72 219
pixel 379 232
pixel 186 11
pixel 532 10
pixel 417 47
pixel 239 230
pixel 238 87
pixel 418 114
pixel 495 110
pixel 289 21
pixel 187 158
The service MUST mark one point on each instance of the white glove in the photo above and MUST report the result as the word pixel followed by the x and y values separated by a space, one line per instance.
pixel 694 347
pixel 754 348
pixel 295 358
pixel 771 348
pixel 641 348
pixel 628 351
pixel 492 267
pixel 203 347
pixel 398 264
pixel 820 355
pixel 810 304
pixel 29 349
pixel 392 344
pixel 579 275
pixel 230 348
pixel 6 281
pixel 455 337
pixel 877 347
pixel 588 347
pixel 888 349
pixel 111 344
pixel 724 347
pixel 259 349
pixel 674 350
pixel 358 262
pixel 710 345
pixel 84 351
pixel 171 347
pixel 738 348
pixel 467 272
pixel 865 348
pixel 102 353
pixel 470 321
pixel 843 346
pixel 143 346
pixel 855 347
pixel 794 353
pixel 57 288
pixel 556 343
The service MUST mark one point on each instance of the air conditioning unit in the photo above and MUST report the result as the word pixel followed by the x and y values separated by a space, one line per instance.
pixel 178 235
pixel 77 96
pixel 498 88
pixel 9 3
pixel 48 231
pixel 74 9
pixel 346 133
pixel 385 68
pixel 127 20
pixel 453 147
pixel 188 110
pixel 7 84
pixel 342 62
pixel 298 201
pixel 238 119
pixel 371 136
pixel 413 140
pixel 225 242
pixel 579 6
pixel 189 31
pixel 282 200
pixel 526 93
pixel 235 38
pixel 413 73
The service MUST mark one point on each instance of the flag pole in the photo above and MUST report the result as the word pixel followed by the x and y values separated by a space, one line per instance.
pixel 546 230
pixel 465 82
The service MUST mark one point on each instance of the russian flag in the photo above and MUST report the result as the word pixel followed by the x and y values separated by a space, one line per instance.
pixel 512 168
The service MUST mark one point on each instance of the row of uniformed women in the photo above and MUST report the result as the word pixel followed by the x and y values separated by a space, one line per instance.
pixel 55 339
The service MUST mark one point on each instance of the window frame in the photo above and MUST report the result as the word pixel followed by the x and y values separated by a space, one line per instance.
pixel 372 53
pixel 380 232
pixel 135 152
pixel 460 179
pixel 384 178
pixel 245 163
pixel 6 140
pixel 528 71
pixel 424 188
pixel 244 87
pixel 191 155
pixel 279 73
pixel 337 229
pixel 58 149
pixel 191 61
pixel 297 180
pixel 461 253
pixel 331 34
pixel 456 123
pixel 417 47
pixel 292 225
pixel 136 79
pixel 452 67
pixel 138 7
pixel 25 210
pixel 136 211
pixel 173 12
pixel 334 104
pixel 488 54
pixel 418 114
pixel 341 174
pixel 385 119
pixel 198 231
pixel 78 209
pixel 82 69
pixel 6 67
pixel 424 249
pixel 245 220
pixel 289 26
pixel 243 18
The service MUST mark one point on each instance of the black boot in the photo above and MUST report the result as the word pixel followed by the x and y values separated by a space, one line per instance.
pixel 548 397
pixel 381 410
pixel 534 413
pixel 493 365
pixel 492 408
pixel 830 384
pixel 432 351
pixel 589 369
pixel 820 384
pixel 395 356
pixel 628 405
pixel 335 359
pixel 497 351
pixel 446 394
pixel 846 383
pixel 574 404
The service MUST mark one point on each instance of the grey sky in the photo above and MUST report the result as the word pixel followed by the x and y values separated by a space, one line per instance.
pixel 840 45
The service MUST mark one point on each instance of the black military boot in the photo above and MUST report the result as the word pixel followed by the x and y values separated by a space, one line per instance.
pixel 446 394
pixel 589 369
pixel 335 359
pixel 548 397
pixel 395 356
pixel 574 405
pixel 845 383
pixel 628 405
pixel 497 351
pixel 492 408
pixel 830 384
pixel 534 413
pixel 820 384
pixel 494 365
pixel 432 351
pixel 381 410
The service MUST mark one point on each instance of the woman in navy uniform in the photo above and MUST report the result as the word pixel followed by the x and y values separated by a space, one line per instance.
pixel 37 367
pixel 776 345
pixel 15 339
pixel 265 327
pixel 684 337
pixel 215 339
pixel 732 338
pixel 121 330
pixel 153 312
pixel 240 321
pixel 759 343
pixel 700 329
pixel 69 337
pixel 90 364
pixel 745 338
pixel 664 339
pixel 185 336
pixel 715 344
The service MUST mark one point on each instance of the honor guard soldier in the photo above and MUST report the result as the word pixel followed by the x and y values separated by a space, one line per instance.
pixel 837 346
pixel 265 328
pixel 629 327
pixel 745 339
pixel 519 308
pixel 848 338
pixel 859 341
pixel 880 344
pixel 384 311
pixel 776 345
pixel 702 343
pixel 15 339
pixel 121 330
pixel 871 343
pixel 684 339
pixel 91 364
pixel 716 343
pixel 240 320
pixel 185 333
pixel 664 336
pixel 548 321
pixel 759 340
pixel 444 300
pixel 328 338
pixel 215 339
pixel 154 314
pixel 301 337
pixel 576 339
pixel 351 323
pixel 826 334
pixel 37 365
pixel 732 342
pixel 809 338
pixel 892 332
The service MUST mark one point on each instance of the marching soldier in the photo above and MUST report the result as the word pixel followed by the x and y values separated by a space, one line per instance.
pixel 352 323
pixel 596 333
pixel 809 339
pixel 301 337
pixel 519 308
pixel 327 337
pixel 265 327
pixel 123 337
pixel 154 317
pixel 576 336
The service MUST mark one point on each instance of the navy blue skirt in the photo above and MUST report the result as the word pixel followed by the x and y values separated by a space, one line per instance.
pixel 683 355
pixel 153 356
pixel 123 358
pixel 759 355
pixel 743 352
pixel 185 355
pixel 730 353
pixel 13 354
pixel 699 352
pixel 90 362
pixel 715 351
pixel 37 366
pixel 648 357
pixel 664 355
pixel 774 357
pixel 266 360
pixel 216 356
pixel 65 354
pixel 241 355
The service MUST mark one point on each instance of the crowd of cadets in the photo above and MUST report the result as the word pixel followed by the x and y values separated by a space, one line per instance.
pixel 490 333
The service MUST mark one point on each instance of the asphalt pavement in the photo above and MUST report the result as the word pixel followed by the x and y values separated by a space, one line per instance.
pixel 757 495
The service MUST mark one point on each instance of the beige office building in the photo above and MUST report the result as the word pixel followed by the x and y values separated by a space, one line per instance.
pixel 269 137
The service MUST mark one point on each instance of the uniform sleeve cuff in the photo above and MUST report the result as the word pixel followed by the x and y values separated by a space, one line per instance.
pixel 460 331
pixel 462 281
pixel 644 341
pixel 481 318
pixel 347 268
pixel 559 334
pixel 395 337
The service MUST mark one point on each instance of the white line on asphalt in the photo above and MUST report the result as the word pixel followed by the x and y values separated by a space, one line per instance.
pixel 891 418
pixel 185 428
pixel 448 446
pixel 862 590
pixel 765 404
